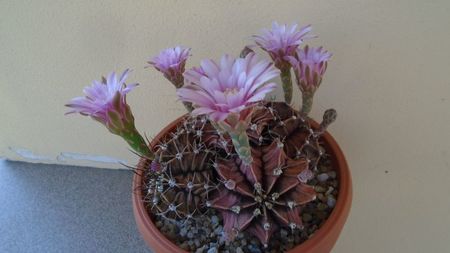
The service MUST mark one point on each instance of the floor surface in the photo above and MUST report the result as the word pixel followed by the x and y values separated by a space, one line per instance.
pixel 51 208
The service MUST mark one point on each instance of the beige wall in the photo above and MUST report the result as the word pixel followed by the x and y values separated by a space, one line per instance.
pixel 388 79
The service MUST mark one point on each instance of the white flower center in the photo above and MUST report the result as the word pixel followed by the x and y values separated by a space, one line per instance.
pixel 230 91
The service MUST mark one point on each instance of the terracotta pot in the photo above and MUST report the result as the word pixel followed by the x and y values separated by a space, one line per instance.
pixel 322 241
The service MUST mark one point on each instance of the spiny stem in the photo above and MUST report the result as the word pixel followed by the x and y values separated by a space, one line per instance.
pixel 136 142
pixel 286 80
pixel 307 101
pixel 241 144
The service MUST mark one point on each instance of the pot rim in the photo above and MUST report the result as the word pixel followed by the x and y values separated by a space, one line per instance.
pixel 340 211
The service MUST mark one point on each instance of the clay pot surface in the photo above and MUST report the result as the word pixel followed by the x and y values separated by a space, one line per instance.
pixel 323 239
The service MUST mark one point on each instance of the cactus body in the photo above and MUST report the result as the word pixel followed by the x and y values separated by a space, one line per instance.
pixel 197 168
pixel 180 179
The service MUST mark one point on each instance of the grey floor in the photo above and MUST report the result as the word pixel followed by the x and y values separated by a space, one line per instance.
pixel 49 208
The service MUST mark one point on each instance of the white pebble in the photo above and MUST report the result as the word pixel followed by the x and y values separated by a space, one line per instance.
pixel 331 202
pixel 322 177
pixel 212 250
pixel 214 220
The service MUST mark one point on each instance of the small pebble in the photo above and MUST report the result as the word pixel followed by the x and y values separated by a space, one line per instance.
pixel 323 168
pixel 190 235
pixel 212 250
pixel 332 174
pixel 322 206
pixel 322 177
pixel 200 250
pixel 215 220
pixel 334 183
pixel 322 197
pixel 239 250
pixel 254 249
pixel 218 230
pixel 254 241
pixel 184 245
pixel 183 232
pixel 319 188
pixel 331 202
pixel 330 190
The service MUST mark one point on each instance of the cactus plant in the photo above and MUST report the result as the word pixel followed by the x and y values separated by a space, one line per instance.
pixel 249 159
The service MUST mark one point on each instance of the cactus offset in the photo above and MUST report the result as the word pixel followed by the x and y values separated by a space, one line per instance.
pixel 180 178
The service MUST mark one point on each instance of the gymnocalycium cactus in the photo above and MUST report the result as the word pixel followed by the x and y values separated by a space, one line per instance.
pixel 248 158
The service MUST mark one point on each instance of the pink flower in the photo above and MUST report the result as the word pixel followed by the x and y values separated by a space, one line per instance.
pixel 105 101
pixel 282 41
pixel 309 67
pixel 228 87
pixel 171 63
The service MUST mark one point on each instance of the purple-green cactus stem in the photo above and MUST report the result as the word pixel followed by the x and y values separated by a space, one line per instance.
pixel 307 102
pixel 286 80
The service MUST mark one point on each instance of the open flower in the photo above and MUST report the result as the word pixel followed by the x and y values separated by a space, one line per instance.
pixel 282 41
pixel 309 67
pixel 219 89
pixel 226 91
pixel 105 102
pixel 103 98
pixel 171 63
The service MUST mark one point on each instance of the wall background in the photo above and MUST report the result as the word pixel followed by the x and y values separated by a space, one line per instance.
pixel 388 79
